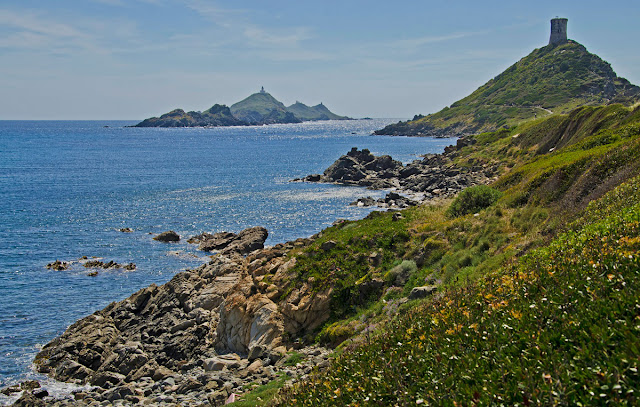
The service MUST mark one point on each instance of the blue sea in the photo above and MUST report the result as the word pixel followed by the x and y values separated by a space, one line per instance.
pixel 67 187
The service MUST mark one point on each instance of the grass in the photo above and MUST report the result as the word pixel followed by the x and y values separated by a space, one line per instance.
pixel 294 358
pixel 261 395
pixel 472 200
pixel 455 242
pixel 559 326
pixel 528 300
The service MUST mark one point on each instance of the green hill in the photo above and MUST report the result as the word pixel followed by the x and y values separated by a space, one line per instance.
pixel 262 108
pixel 537 288
pixel 552 79
pixel 217 115
pixel 310 113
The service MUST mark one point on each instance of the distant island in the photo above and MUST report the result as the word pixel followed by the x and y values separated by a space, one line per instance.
pixel 258 109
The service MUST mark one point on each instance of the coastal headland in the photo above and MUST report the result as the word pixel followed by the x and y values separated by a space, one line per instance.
pixel 514 281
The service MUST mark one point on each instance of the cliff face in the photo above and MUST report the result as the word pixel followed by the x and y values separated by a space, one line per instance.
pixel 552 79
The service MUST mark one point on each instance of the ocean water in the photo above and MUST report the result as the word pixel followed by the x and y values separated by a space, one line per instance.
pixel 66 188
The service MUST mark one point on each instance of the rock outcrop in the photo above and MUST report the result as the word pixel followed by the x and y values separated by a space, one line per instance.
pixel 168 236
pixel 311 113
pixel 244 242
pixel 392 200
pixel 197 336
pixel 258 109
pixel 433 176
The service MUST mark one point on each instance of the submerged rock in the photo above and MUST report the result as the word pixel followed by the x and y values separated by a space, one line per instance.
pixel 110 265
pixel 58 265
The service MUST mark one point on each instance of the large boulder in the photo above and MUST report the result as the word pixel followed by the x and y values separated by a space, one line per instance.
pixel 169 236
pixel 246 323
pixel 248 240
pixel 216 241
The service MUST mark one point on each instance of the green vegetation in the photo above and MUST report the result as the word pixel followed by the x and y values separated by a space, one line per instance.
pixel 472 200
pixel 366 251
pixel 261 394
pixel 294 358
pixel 558 327
pixel 551 79
pixel 538 290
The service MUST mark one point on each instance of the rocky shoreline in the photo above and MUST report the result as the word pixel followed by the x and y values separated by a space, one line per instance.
pixel 434 176
pixel 217 330
pixel 236 322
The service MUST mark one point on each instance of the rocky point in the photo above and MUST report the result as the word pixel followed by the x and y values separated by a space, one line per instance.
pixel 206 334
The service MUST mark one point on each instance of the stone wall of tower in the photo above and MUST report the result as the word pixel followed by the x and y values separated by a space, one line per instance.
pixel 558 31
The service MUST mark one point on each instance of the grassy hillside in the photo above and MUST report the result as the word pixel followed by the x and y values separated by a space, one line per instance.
pixel 537 293
pixel 551 169
pixel 558 327
pixel 551 79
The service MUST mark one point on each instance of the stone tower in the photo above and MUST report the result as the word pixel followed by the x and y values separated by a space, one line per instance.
pixel 558 31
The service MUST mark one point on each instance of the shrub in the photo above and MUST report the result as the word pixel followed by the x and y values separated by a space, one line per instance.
pixel 472 200
pixel 401 273
pixel 336 333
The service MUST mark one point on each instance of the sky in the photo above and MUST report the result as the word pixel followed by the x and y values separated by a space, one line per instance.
pixel 132 59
